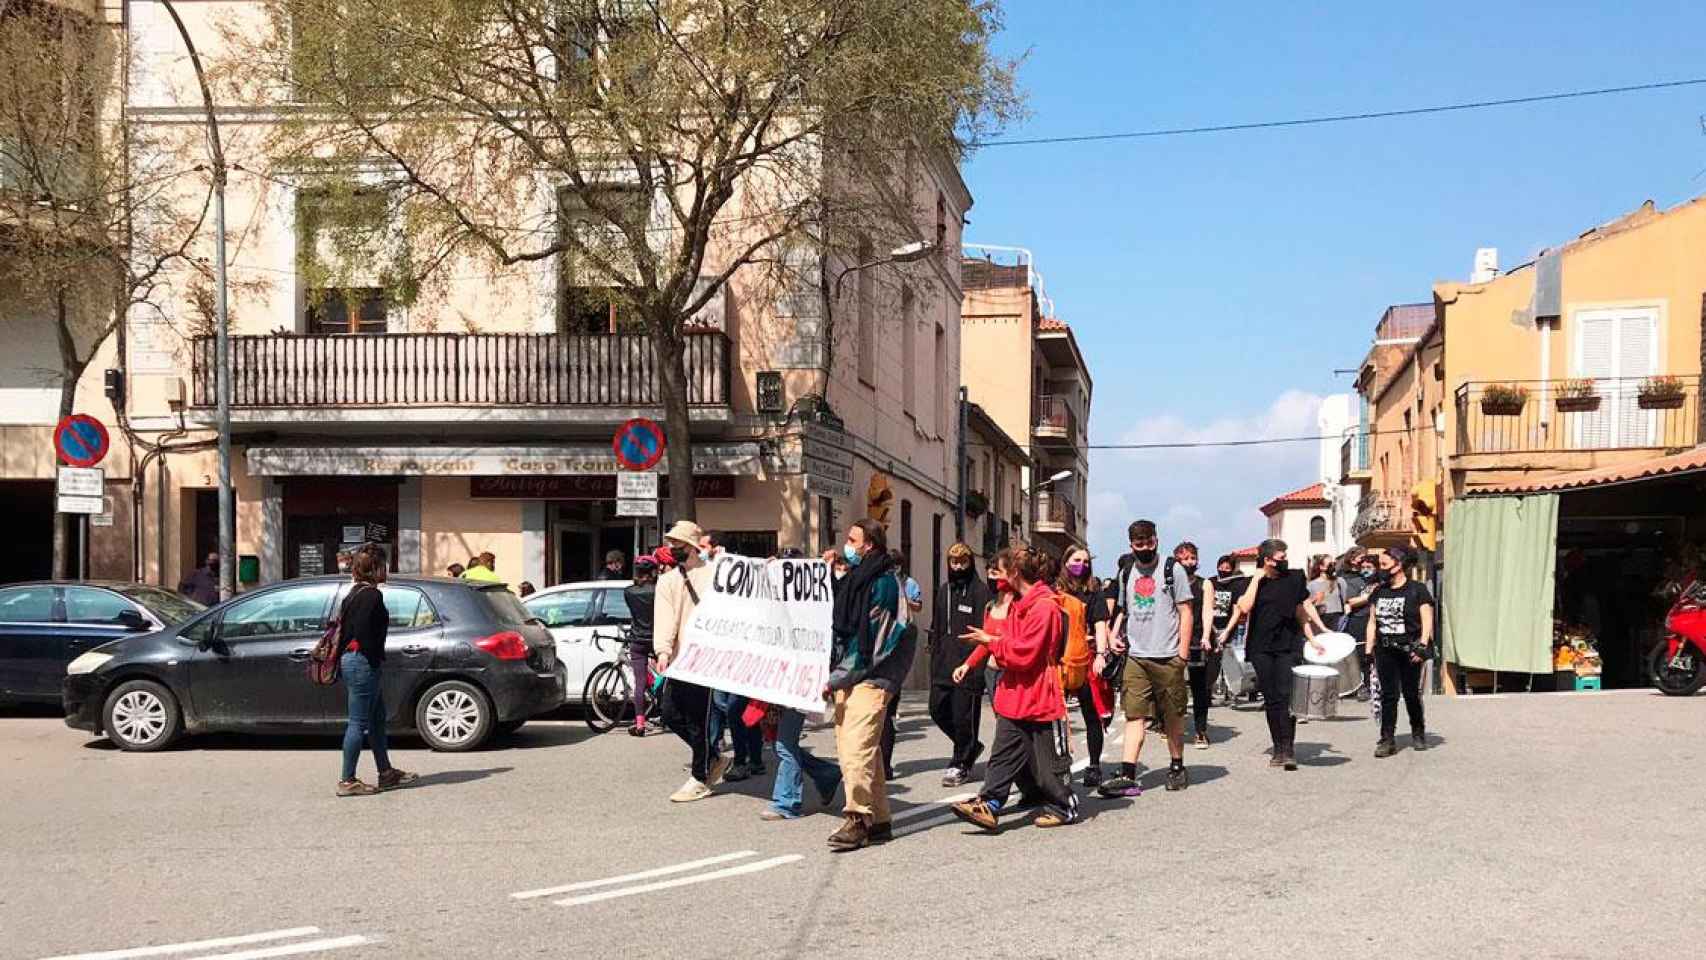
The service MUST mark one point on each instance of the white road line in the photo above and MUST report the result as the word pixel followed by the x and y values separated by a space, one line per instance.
pixel 630 877
pixel 167 949
pixel 291 949
pixel 933 807
pixel 741 870
pixel 924 825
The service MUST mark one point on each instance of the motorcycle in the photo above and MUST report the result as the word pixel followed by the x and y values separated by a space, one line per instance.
pixel 1678 663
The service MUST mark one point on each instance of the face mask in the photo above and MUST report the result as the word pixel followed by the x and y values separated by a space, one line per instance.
pixel 959 574
pixel 1145 557
pixel 852 555
pixel 1190 568
pixel 1384 576
pixel 1368 573
pixel 1077 569
pixel 705 557
pixel 1225 574
pixel 1281 566
pixel 678 554
pixel 1002 585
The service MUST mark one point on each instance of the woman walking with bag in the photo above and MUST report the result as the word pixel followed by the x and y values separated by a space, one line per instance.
pixel 363 624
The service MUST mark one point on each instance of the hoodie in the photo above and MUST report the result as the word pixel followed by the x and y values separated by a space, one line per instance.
pixel 1028 651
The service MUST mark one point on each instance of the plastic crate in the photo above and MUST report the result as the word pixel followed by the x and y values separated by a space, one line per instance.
pixel 1587 683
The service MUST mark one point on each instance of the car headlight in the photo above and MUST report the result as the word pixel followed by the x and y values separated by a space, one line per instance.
pixel 87 663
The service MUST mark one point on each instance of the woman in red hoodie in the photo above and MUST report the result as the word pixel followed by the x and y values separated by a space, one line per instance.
pixel 1028 701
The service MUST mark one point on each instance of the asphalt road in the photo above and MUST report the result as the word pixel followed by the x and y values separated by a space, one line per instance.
pixel 1540 826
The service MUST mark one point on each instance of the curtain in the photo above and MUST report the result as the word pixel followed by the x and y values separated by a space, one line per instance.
pixel 1500 556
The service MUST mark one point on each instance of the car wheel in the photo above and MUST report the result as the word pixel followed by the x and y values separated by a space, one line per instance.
pixel 454 716
pixel 141 716
pixel 508 727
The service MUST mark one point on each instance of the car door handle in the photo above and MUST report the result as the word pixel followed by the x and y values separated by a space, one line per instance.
pixel 300 653
pixel 415 650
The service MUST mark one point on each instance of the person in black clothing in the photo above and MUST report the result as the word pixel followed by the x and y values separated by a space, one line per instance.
pixel 957 708
pixel 202 584
pixel 615 566
pixel 1229 586
pixel 1078 580
pixel 1204 662
pixel 1399 636
pixel 640 597
pixel 1281 617
pixel 1359 583
pixel 363 624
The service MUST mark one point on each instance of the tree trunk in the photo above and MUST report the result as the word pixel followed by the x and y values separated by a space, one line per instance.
pixel 71 371
pixel 677 429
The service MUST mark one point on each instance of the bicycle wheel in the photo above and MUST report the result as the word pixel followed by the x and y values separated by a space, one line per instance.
pixel 609 696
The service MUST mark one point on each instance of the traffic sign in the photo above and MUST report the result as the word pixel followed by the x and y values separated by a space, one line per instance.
pixel 82 482
pixel 638 444
pixel 636 508
pixel 636 486
pixel 67 504
pixel 80 440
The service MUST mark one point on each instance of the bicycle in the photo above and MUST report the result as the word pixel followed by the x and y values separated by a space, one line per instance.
pixel 609 692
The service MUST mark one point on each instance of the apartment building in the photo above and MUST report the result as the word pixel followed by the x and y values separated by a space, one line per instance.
pixel 1022 365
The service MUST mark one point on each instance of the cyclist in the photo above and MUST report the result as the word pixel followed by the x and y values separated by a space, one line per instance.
pixel 640 596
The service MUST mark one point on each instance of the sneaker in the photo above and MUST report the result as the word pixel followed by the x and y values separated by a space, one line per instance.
pixel 355 788
pixel 1177 778
pixel 1092 777
pixel 854 833
pixel 719 767
pixel 736 773
pixel 976 812
pixel 1385 748
pixel 1121 786
pixel 1202 741
pixel 956 777
pixel 1418 739
pixel 393 778
pixel 1290 762
pixel 690 791
pixel 771 815
pixel 1056 817
pixel 636 731
pixel 882 832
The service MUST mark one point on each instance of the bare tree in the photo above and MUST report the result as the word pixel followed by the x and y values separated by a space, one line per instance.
pixel 645 150
pixel 85 234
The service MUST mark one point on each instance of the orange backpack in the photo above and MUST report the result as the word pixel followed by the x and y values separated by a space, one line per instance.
pixel 1075 662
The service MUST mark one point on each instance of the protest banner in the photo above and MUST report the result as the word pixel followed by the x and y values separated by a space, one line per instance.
pixel 763 631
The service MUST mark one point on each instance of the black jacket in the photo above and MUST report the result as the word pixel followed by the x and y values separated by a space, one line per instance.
pixel 958 606
pixel 642 607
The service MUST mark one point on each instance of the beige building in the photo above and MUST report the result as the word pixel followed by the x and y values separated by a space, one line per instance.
pixel 1022 365
pixel 485 422
pixel 995 467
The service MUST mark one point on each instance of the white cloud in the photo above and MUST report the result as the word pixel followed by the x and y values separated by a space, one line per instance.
pixel 1210 495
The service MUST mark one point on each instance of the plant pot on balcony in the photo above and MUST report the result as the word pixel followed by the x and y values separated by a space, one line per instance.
pixel 1502 407
pixel 1659 401
pixel 1578 404
pixel 976 504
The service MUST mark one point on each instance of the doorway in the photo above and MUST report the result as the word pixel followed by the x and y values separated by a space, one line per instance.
pixel 26 511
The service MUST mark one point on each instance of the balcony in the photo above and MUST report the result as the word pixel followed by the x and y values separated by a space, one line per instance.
pixel 431 377
pixel 1056 514
pixel 1558 416
pixel 1381 515
pixel 1057 422
pixel 1354 456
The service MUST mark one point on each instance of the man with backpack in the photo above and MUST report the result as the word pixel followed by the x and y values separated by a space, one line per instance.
pixel 1154 627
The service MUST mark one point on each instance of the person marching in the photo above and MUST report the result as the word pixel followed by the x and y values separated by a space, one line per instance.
pixel 1399 637
pixel 640 598
pixel 1087 633
pixel 957 705
pixel 1153 632
pixel 1359 590
pixel 1029 705
pixel 1204 662
pixel 687 706
pixel 1277 603
pixel 1229 585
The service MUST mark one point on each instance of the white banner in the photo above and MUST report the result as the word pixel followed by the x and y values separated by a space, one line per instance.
pixel 763 631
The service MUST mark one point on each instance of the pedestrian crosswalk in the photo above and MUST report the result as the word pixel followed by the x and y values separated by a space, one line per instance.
pixel 631 884
pixel 290 942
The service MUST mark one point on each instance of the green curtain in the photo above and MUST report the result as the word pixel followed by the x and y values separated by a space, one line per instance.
pixel 1500 555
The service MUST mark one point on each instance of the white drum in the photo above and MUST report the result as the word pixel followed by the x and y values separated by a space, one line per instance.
pixel 1314 692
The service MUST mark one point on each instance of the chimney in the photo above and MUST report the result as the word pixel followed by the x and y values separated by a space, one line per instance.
pixel 1486 265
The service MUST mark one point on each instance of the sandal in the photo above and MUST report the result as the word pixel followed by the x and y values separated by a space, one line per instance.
pixel 355 788
pixel 394 778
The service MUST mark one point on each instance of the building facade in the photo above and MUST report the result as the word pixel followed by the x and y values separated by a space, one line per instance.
pixel 1303 519
pixel 996 466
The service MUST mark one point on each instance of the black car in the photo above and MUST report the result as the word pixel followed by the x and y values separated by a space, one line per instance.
pixel 462 661
pixel 46 625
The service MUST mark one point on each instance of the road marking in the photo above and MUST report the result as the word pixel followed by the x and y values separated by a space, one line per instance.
pixel 932 807
pixel 193 946
pixel 924 825
pixel 736 871
pixel 291 949
pixel 630 877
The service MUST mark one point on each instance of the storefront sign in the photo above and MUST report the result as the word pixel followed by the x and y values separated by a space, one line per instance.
pixel 585 488
pixel 637 486
pixel 636 508
pixel 355 534
pixel 736 459
pixel 762 631
pixel 310 560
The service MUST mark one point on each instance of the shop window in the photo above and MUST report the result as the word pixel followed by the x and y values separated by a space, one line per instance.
pixel 1317 530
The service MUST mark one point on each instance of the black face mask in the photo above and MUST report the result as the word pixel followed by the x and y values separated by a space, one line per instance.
pixel 1383 576
pixel 1190 568
pixel 959 574
pixel 678 554
pixel 1282 566
pixel 1225 574
pixel 1145 557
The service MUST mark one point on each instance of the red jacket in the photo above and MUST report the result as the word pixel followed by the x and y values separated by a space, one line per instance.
pixel 1028 651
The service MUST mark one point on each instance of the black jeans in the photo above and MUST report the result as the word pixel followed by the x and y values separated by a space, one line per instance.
pixel 687 710
pixel 1273 672
pixel 957 710
pixel 1028 754
pixel 1203 676
pixel 1092 723
pixel 888 732
pixel 1398 673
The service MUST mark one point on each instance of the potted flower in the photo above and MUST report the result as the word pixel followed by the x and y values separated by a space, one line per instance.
pixel 976 504
pixel 1504 399
pixel 1577 395
pixel 1660 393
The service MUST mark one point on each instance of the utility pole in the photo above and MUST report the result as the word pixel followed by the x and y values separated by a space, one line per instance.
pixel 222 326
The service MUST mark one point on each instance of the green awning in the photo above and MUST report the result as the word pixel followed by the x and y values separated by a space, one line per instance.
pixel 1500 555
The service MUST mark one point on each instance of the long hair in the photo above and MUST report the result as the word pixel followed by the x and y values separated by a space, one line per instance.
pixel 1086 584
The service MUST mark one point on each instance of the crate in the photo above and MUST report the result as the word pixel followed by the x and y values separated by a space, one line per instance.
pixel 1587 683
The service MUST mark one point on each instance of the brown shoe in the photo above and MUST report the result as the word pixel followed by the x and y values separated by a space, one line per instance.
pixel 855 832
pixel 394 778
pixel 355 788
pixel 976 812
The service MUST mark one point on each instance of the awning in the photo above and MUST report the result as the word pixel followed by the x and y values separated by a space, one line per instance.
pixel 1497 598
pixel 1689 461
pixel 736 459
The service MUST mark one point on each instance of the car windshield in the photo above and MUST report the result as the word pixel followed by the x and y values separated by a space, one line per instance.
pixel 506 607
pixel 168 606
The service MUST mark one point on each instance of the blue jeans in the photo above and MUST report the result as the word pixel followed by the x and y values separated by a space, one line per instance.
pixel 793 763
pixel 726 709
pixel 366 714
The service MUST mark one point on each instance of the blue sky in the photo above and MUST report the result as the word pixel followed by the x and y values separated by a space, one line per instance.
pixel 1216 281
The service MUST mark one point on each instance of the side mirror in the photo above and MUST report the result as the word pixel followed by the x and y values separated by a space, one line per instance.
pixel 133 620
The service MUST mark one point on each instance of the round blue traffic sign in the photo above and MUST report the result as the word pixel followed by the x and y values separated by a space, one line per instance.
pixel 80 440
pixel 638 444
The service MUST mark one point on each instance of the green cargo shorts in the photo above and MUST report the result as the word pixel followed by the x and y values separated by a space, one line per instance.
pixel 1154 688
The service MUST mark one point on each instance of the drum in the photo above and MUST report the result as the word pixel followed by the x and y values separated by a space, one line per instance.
pixel 1314 692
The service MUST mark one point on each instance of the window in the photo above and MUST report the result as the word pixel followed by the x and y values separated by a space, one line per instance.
pixel 867 332
pixel 346 258
pixel 587 45
pixel 941 223
pixel 408 608
pixel 571 608
pixel 163 604
pixel 598 256
pixel 278 613
pixel 26 605
pixel 906 532
pixel 615 608
pixel 93 605
pixel 1317 530
pixel 908 354
pixel 346 310
pixel 506 609
pixel 941 378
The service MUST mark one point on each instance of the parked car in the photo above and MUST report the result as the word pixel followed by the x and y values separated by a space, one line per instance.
pixel 44 626
pixel 574 612
pixel 463 660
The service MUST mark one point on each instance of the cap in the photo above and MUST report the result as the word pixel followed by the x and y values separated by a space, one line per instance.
pixel 685 531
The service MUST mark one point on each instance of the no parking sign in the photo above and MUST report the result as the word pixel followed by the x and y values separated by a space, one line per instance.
pixel 638 444
pixel 80 440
